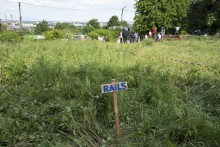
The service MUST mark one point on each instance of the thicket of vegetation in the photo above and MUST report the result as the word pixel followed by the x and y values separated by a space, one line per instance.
pixel 10 37
pixel 54 34
pixel 111 34
pixel 50 93
pixel 190 15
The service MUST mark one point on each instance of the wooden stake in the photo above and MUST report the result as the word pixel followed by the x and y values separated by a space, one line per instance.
pixel 115 101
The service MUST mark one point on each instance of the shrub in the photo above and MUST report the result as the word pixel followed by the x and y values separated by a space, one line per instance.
pixel 54 34
pixel 93 35
pixel 183 32
pixel 10 37
pixel 111 34
pixel 41 27
pixel 147 42
pixel 87 29
pixel 2 27
pixel 24 32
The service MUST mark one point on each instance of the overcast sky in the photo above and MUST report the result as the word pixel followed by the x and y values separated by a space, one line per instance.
pixel 74 10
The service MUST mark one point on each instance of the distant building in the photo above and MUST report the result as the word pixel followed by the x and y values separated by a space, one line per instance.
pixel 79 24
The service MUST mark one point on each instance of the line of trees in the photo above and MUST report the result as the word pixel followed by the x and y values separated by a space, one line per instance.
pixel 92 28
pixel 92 24
pixel 190 15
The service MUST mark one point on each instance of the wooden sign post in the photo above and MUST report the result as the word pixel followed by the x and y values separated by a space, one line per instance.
pixel 114 87
pixel 115 102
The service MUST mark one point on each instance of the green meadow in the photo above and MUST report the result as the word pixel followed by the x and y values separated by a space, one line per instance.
pixel 50 93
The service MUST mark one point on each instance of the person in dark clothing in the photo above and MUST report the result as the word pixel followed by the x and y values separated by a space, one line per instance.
pixel 125 35
pixel 132 38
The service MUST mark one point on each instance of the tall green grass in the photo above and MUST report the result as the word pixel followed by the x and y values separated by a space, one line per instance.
pixel 50 93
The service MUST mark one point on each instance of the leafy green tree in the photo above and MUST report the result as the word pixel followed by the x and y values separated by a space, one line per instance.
pixel 68 27
pixel 41 27
pixel 62 26
pixel 113 21
pixel 167 13
pixel 87 29
pixel 124 24
pixel 54 34
pixel 205 15
pixel 94 23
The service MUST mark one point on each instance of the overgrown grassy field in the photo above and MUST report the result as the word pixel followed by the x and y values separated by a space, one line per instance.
pixel 50 93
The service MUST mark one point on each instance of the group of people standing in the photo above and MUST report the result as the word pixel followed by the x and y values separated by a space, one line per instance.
pixel 156 35
pixel 159 35
pixel 127 37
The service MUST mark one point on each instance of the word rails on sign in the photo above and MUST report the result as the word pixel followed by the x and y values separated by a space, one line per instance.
pixel 113 87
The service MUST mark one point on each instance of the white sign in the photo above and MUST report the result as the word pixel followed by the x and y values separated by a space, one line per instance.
pixel 113 87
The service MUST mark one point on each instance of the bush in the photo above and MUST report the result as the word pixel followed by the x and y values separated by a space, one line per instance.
pixel 183 32
pixel 24 32
pixel 93 35
pixel 147 42
pixel 10 37
pixel 41 27
pixel 111 34
pixel 54 34
pixel 87 29
pixel 2 27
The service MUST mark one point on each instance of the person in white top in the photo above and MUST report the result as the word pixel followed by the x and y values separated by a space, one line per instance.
pixel 158 37
pixel 150 34
pixel 146 36
pixel 177 30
